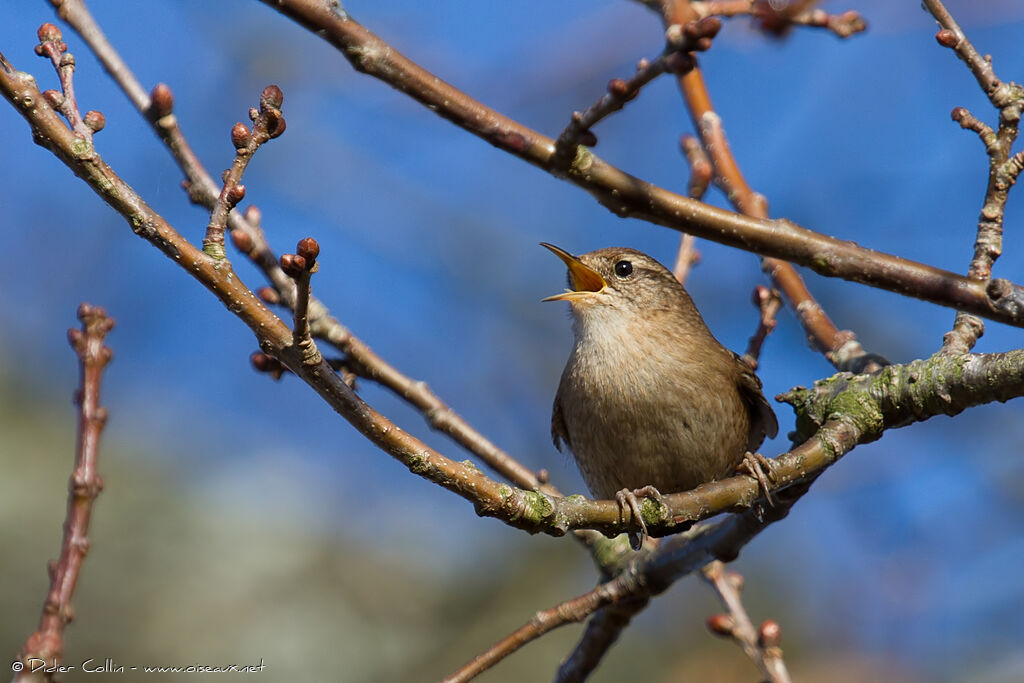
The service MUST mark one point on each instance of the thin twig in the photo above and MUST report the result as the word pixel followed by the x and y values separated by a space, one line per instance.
pixel 301 266
pixel 45 646
pixel 777 18
pixel 267 123
pixel 571 611
pixel 760 645
pixel 52 46
pixel 701 174
pixel 768 302
pixel 1004 166
pixel 681 40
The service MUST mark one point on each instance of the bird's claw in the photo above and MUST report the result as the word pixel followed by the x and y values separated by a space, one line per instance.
pixel 628 500
pixel 762 469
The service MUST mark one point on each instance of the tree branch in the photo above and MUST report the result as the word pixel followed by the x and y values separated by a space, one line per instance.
pixel 248 236
pixel 760 645
pixel 628 196
pixel 1008 99
pixel 45 646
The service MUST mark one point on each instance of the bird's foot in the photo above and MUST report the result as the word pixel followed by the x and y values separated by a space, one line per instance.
pixel 628 500
pixel 762 469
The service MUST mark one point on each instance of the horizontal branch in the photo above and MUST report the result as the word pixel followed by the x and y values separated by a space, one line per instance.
pixel 628 196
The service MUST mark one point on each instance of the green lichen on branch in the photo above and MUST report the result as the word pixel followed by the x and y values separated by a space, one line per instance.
pixel 899 395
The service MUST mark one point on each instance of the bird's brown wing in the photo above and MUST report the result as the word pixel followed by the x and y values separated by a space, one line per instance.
pixel 559 434
pixel 762 417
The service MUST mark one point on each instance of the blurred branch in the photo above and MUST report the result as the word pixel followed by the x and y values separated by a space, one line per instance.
pixel 768 303
pixel 777 18
pixel 1004 166
pixel 248 236
pixel 629 196
pixel 760 645
pixel 571 611
pixel 44 648
pixel 602 630
pixel 701 174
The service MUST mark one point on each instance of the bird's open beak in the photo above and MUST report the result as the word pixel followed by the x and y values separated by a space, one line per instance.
pixel 585 280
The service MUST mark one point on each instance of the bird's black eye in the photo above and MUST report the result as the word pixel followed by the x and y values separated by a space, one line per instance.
pixel 623 268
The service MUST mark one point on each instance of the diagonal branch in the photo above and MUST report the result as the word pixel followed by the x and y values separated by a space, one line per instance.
pixel 760 645
pixel 628 196
pixel 248 236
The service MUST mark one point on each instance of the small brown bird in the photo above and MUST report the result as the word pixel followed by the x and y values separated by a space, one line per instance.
pixel 649 400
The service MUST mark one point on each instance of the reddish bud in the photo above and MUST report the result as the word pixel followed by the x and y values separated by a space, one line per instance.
pixel 722 625
pixel 54 98
pixel 271 98
pixel 161 101
pixel 958 114
pixel 240 135
pixel 770 634
pixel 235 194
pixel 308 249
pixel 94 121
pixel 618 88
pixel 292 264
pixel 242 241
pixel 946 38
pixel 49 33
pixel 269 295
pixel 264 363
pixel 708 27
pixel 278 128
pixel 253 215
